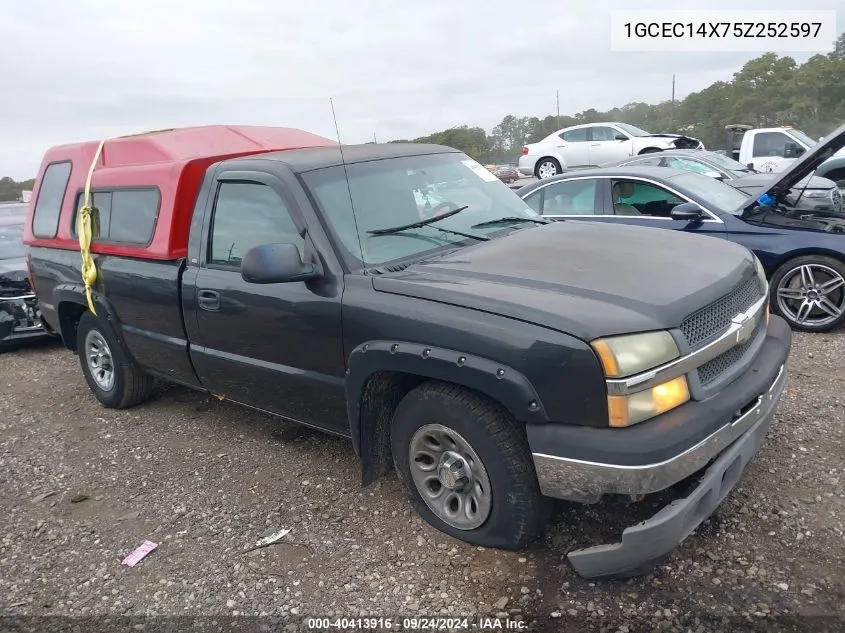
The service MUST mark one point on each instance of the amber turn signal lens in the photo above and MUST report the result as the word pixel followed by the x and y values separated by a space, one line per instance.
pixel 626 411
pixel 608 360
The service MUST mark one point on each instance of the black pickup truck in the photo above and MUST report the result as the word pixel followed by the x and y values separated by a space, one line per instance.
pixel 402 296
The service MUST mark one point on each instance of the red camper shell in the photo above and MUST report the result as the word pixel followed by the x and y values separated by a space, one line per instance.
pixel 173 162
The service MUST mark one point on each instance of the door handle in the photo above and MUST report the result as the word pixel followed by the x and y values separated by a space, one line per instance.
pixel 594 145
pixel 208 300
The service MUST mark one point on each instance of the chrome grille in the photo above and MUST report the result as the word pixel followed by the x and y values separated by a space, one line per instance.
pixel 712 370
pixel 836 197
pixel 712 320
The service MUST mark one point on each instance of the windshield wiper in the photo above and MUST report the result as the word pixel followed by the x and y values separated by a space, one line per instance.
pixel 509 220
pixel 422 223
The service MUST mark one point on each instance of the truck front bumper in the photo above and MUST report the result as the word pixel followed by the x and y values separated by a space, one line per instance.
pixel 752 399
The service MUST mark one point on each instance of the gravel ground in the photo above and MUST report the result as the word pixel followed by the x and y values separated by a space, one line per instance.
pixel 83 485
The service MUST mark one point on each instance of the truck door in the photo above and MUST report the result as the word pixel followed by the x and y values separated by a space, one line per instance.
pixel 277 347
pixel 768 150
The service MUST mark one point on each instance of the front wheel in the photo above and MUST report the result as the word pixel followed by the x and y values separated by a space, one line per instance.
pixel 809 292
pixel 115 381
pixel 467 468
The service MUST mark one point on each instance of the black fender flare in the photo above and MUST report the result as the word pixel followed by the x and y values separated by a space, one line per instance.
pixel 501 383
pixel 75 293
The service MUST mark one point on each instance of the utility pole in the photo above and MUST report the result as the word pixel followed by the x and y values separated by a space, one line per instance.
pixel 673 101
pixel 557 96
pixel 375 140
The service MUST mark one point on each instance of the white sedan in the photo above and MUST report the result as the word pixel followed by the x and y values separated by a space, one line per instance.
pixel 594 145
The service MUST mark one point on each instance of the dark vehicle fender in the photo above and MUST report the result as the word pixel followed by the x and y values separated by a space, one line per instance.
pixel 71 304
pixel 366 382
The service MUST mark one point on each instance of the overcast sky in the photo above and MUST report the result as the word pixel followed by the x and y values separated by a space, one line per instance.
pixel 89 69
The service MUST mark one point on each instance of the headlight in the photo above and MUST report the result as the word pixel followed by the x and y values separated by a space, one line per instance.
pixel 761 272
pixel 628 410
pixel 632 353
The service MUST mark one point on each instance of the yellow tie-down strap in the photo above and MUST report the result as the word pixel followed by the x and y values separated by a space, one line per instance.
pixel 88 223
pixel 85 225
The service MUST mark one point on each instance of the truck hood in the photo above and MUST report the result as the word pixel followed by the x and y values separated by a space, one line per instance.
pixel 803 166
pixel 584 279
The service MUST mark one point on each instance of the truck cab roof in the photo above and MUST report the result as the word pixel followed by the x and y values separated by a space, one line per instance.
pixel 304 160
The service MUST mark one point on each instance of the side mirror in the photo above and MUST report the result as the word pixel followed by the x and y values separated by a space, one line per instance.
pixel 621 137
pixel 714 174
pixel 687 211
pixel 792 150
pixel 275 264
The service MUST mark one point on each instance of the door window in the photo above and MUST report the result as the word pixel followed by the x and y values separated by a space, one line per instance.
pixel 770 144
pixel 248 214
pixel 575 136
pixel 601 133
pixel 632 197
pixel 572 197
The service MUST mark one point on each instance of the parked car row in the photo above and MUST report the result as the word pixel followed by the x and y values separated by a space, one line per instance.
pixel 493 351
pixel 799 238
pixel 812 193
pixel 20 316
pixel 595 144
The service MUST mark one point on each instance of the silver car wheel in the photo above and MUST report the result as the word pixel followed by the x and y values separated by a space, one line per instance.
pixel 99 359
pixel 546 169
pixel 812 295
pixel 450 477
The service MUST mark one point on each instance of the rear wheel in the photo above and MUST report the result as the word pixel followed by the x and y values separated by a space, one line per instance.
pixel 466 467
pixel 115 381
pixel 547 168
pixel 809 292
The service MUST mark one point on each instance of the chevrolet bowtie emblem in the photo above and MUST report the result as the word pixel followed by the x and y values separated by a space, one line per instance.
pixel 746 327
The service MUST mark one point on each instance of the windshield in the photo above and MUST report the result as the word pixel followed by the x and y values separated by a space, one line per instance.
pixel 633 130
pixel 397 191
pixel 11 241
pixel 711 192
pixel 726 162
pixel 803 138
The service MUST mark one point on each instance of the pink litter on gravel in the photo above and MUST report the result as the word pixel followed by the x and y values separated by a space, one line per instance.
pixel 138 555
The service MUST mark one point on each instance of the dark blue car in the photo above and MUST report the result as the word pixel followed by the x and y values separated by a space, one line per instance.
pixel 803 252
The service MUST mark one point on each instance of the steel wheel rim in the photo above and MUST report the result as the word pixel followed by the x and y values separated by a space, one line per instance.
pixel 99 358
pixel 450 477
pixel 812 295
pixel 546 169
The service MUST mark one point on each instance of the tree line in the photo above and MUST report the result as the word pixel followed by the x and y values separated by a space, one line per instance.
pixel 768 91
pixel 10 191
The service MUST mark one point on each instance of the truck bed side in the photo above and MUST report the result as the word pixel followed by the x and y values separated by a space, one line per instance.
pixel 141 297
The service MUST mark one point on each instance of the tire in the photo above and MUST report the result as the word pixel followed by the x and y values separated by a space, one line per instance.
pixel 128 385
pixel 548 166
pixel 510 512
pixel 791 289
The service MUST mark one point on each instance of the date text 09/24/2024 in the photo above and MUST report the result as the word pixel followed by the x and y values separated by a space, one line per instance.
pixel 417 623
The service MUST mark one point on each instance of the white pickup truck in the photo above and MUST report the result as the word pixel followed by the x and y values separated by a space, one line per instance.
pixel 768 149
